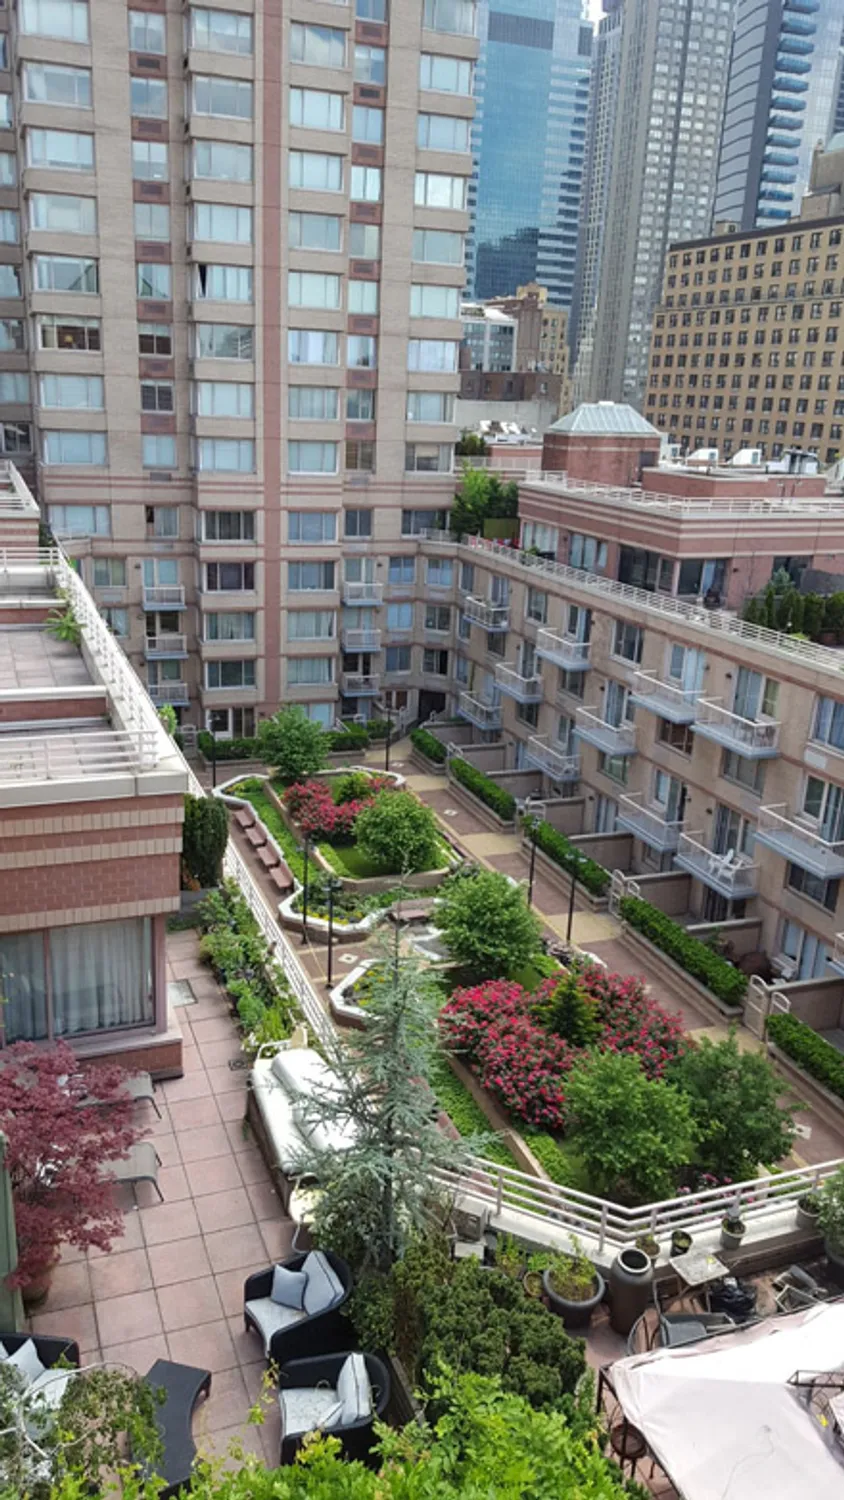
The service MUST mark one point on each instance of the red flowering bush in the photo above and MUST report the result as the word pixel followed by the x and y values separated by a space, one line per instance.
pixel 312 806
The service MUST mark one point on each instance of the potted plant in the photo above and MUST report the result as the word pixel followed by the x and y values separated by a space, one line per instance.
pixel 733 1230
pixel 808 1211
pixel 510 1258
pixel 650 1245
pixel 681 1242
pixel 574 1286
pixel 536 1266
pixel 831 1220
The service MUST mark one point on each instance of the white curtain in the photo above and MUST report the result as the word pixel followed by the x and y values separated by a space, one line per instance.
pixel 101 976
pixel 22 986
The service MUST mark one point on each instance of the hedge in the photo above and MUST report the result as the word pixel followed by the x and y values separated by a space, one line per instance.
pixel 485 789
pixel 227 749
pixel 803 1045
pixel 724 980
pixel 565 854
pixel 428 744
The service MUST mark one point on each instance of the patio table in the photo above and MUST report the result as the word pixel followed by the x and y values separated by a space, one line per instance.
pixel 697 1269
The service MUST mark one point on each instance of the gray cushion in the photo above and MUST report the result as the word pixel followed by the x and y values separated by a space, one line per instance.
pixel 26 1360
pixel 354 1390
pixel 289 1287
pixel 304 1408
pixel 324 1286
pixel 269 1317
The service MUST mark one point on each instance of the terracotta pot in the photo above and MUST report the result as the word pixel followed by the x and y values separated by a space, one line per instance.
pixel 35 1293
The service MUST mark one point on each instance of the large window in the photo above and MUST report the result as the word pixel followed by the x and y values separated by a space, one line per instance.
pixel 436 190
pixel 230 577
pixel 627 641
pixel 151 221
pixel 313 289
pixel 8 169
pixel 314 109
pixel 442 133
pixel 109 572
pixel 76 980
pixel 224 341
pixel 157 395
pixel 63 213
pixel 10 227
pixel 365 241
pixel 220 161
pixel 587 552
pixel 230 674
pixel 226 98
pixel 228 526
pixel 397 659
pixel 148 97
pixel 401 571
pixel 430 406
pixel 445 75
pixel 312 458
pixel 15 438
pixel 154 280
pixel 399 618
pixel 232 625
pixel 226 455
pixel 74 448
pixel 308 671
pixel 220 31
pixel 435 355
pixel 214 283
pixel 314 231
pixel 313 403
pixel 312 526
pixel 150 161
pixel 71 392
pixel 225 398
pixel 357 525
pixel 14 388
pixel 322 46
pixel 311 625
pixel 62 20
pixel 434 301
pixel 360 406
pixel 313 346
pixel 155 338
pixel 365 184
pixel 315 170
pixel 428 458
pixel 51 83
pixel 147 32
pixel 305 577
pixel 65 273
pixel 368 125
pixel 80 520
pixel 829 723
pixel 223 222
pixel 158 451
pixel 363 297
pixel 370 65
pixel 361 351
pixel 457 17
pixel 12 335
pixel 65 150
pixel 441 247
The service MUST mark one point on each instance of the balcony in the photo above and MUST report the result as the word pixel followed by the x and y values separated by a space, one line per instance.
pixel 837 960
pixel 160 647
pixel 483 715
pixel 175 693
pixel 756 739
pixel 572 656
pixel 360 640
pixel 360 684
pixel 164 596
pixel 664 698
pixel 358 594
pixel 488 616
pixel 523 689
pixel 556 764
pixel 800 842
pixel 647 824
pixel 613 739
pixel 733 876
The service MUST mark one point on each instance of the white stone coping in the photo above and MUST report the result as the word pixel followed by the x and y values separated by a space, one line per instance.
pixel 347 1009
pixel 320 924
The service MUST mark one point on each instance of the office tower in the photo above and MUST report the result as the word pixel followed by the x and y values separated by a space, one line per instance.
pixel 532 88
pixel 672 70
pixel 231 268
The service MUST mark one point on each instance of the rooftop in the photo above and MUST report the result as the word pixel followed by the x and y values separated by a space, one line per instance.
pixel 605 419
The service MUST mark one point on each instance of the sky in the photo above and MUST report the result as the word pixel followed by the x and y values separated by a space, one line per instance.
pixel 595 11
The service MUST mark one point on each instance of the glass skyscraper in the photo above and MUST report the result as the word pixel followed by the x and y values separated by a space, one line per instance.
pixel 531 88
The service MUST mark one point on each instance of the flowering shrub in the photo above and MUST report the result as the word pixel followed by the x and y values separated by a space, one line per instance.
pixel 311 804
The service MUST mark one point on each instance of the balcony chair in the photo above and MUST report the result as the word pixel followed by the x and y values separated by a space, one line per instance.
pixel 310 1320
pixel 339 1393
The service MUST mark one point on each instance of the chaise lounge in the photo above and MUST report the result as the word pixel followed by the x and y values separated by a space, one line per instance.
pixel 299 1313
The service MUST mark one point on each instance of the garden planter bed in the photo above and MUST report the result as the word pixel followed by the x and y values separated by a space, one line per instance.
pixel 822 1100
pixel 561 878
pixel 474 805
pixel 343 1009
pixel 348 932
pixel 683 986
pixel 422 763
pixel 498 1121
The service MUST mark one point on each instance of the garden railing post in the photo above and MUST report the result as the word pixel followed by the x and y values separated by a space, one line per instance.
pixel 388 709
pixel 602 1228
pixel 532 862
pixel 305 894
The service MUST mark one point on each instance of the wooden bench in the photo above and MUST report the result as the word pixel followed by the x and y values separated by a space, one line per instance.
pixel 417 911
pixel 268 857
pixel 281 878
pixel 244 817
pixel 256 836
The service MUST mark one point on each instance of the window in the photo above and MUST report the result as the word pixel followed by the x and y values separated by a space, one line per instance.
pixel 399 617
pixel 152 221
pixel 312 458
pixel 67 150
pixel 14 388
pixel 572 683
pixel 313 289
pixel 616 767
pixel 747 773
pixel 311 625
pixel 229 455
pixel 224 398
pixel 158 451
pixel 361 352
pixel 8 169
pixel 438 247
pixel 220 31
pixel 370 65
pixel 434 355
pixel 365 184
pixel 312 527
pixel 314 231
pixel 438 618
pixel 413 522
pixel 442 133
pixel 147 32
pixel 230 577
pixel 109 572
pixel 150 161
pixel 64 20
pixel 436 190
pixel 755 696
pixel 57 331
pixel 220 161
pixel 536 608
pixel 71 392
pixel 322 46
pixel 360 406
pixel 829 723
pixel 587 552
pixel 368 125
pixel 162 521
pixel 824 804
pixel 222 222
pixel 809 955
pixel 153 280
pixel 117 620
pixel 230 674
pixel 229 625
pixel 214 283
pixel 51 83
pixel 12 337
pixel 309 671
pixel 402 571
pixel 315 170
pixel 371 10
pixel 80 520
pixel 447 75
pixel 100 978
pixel 148 97
pixel 306 346
pixel 314 109
pixel 430 406
pixel 363 297
pixel 228 525
pixel 15 438
pixel 65 273
pixel 357 525
pixel 627 641
pixel 155 338
pixel 365 241
pixel 227 98
pixel 428 458
pixel 63 213
pixel 231 723
pixel 434 662
pixel 224 341
pixel 305 577
pixel 397 659
pixel 824 892
pixel 359 454
pixel 434 301
pixel 10 227
pixel 454 16
pixel 10 281
pixel 313 403
pixel 157 395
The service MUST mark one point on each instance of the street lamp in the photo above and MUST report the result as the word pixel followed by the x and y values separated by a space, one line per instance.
pixel 532 826
pixel 333 886
pixel 573 873
pixel 388 711
pixel 305 893
pixel 213 758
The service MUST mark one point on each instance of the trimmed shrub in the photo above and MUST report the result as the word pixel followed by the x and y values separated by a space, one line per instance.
pixel 428 745
pixel 397 832
pixel 227 749
pixel 591 875
pixel 809 1051
pixel 293 743
pixel 204 838
pixel 486 790
pixel 719 976
pixel 234 946
pixel 352 737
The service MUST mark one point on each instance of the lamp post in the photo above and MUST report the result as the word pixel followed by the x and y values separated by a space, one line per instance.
pixel 532 872
pixel 572 889
pixel 213 759
pixel 388 712
pixel 305 893
pixel 333 886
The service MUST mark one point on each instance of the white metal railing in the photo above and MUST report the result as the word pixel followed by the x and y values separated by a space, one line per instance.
pixel 164 645
pixel 15 497
pixel 65 757
pixel 616 738
pixel 733 874
pixel 482 612
pixel 573 655
pixel 525 689
pixel 164 596
pixel 747 735
pixel 652 826
pixel 361 640
pixel 661 694
pixel 560 765
pixel 169 692
pixel 734 505
pixel 485 715
pixel 774 819
pixel 362 593
pixel 360 682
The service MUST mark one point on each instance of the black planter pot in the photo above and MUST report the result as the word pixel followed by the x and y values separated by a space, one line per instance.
pixel 681 1242
pixel 835 1258
pixel 574 1314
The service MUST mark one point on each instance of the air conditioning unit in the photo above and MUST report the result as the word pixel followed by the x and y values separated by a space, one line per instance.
pixel 786 967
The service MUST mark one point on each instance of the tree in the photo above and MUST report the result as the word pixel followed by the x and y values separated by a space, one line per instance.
pixel 204 838
pixel 293 743
pixel 570 1012
pixel 471 445
pixel 633 1134
pixel 167 715
pixel 734 1099
pixel 378 1191
pixel 481 495
pixel 398 832
pixel 488 926
pixel 63 1121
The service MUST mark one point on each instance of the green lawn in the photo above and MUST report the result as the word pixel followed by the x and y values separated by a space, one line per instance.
pixel 348 861
pixel 532 974
pixel 466 1116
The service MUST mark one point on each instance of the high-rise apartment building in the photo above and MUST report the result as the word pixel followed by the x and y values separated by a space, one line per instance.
pixel 528 139
pixel 780 103
pixel 232 254
pixel 672 68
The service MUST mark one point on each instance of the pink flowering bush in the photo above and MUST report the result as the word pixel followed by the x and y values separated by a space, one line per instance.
pixel 312 806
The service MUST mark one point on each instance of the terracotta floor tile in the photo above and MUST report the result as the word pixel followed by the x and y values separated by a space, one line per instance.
pixel 139 1354
pixel 189 1303
pixel 192 1086
pixel 189 967
pixel 70 1286
pixel 76 1323
pixel 116 1275
pixel 169 1221
pixel 248 1346
pixel 277 1235
pixel 180 1260
pixel 229 1249
pixel 252 1166
pixel 192 1114
pixel 173 1183
pixel 132 1237
pixel 209 1347
pixel 224 1210
pixel 69 1253
pixel 228 1398
pixel 217 1054
pixel 207 1141
pixel 122 1319
pixel 225 1081
pixel 239 1135
pixel 215 1176
pixel 270 1432
pixel 232 1106
pixel 230 1286
pixel 265 1200
pixel 226 1445
pixel 191 1057
pixel 217 1029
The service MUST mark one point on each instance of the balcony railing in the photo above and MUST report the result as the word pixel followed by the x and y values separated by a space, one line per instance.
pixel 665 698
pixel 756 739
pixel 573 656
pixel 801 842
pixel 157 647
pixel 360 684
pixel 488 616
pixel 175 693
pixel 523 689
pixel 362 593
pixel 613 739
pixel 164 596
pixel 484 715
pixel 837 960
pixel 360 640
pixel 74 756
pixel 647 824
pixel 558 764
pixel 732 875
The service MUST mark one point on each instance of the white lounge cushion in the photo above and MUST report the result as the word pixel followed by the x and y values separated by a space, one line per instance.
pixel 26 1360
pixel 289 1287
pixel 269 1317
pixel 324 1287
pixel 306 1408
pixel 51 1386
pixel 354 1390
